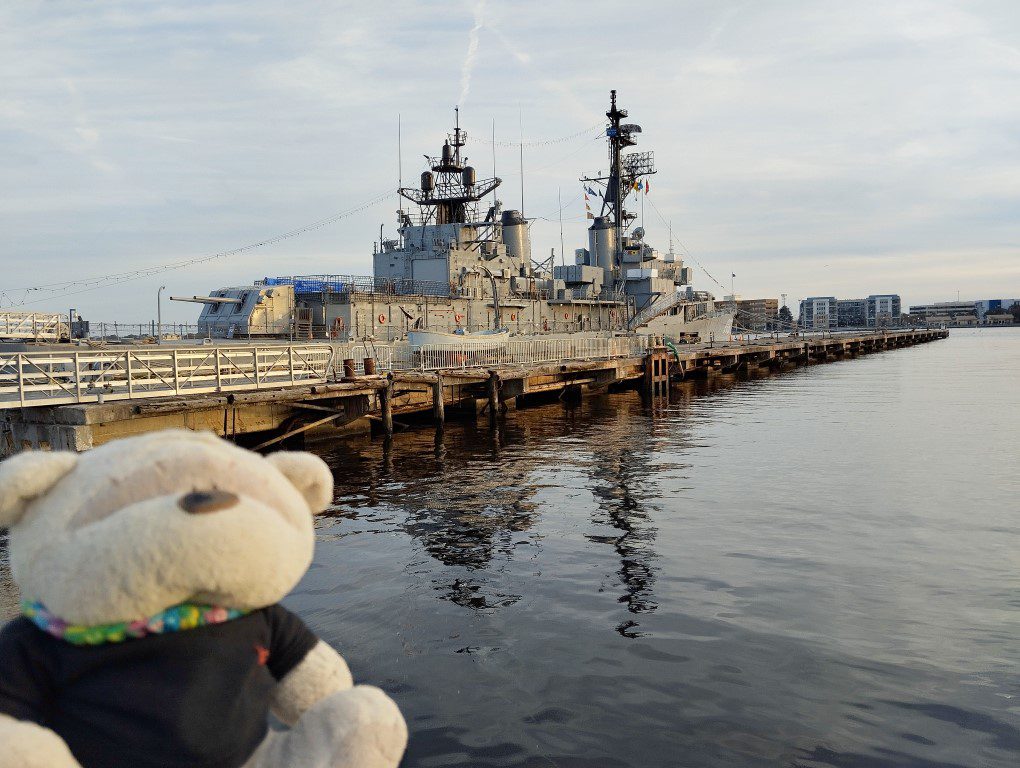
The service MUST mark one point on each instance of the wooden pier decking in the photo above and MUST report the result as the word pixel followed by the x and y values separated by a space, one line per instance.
pixel 386 402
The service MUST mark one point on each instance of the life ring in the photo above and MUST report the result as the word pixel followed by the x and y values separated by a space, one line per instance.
pixel 458 318
pixel 566 315
pixel 338 327
pixel 382 318
pixel 513 316
pixel 612 315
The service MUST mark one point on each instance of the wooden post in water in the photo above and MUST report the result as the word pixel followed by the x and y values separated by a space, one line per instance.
pixel 438 409
pixel 493 397
pixel 386 404
pixel 348 369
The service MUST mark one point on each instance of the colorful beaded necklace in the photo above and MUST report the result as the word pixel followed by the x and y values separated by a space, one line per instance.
pixel 176 618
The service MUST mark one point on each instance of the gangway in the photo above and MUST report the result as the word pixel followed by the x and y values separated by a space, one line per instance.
pixel 660 306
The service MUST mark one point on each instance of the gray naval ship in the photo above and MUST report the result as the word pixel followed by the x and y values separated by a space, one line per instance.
pixel 454 273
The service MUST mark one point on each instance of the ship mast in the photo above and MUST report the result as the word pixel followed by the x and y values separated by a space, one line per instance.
pixel 450 187
pixel 617 141
pixel 624 172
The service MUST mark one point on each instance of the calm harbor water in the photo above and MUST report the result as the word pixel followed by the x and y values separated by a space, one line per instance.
pixel 820 568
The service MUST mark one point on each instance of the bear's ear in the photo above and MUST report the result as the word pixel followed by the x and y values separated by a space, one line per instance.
pixel 29 475
pixel 309 474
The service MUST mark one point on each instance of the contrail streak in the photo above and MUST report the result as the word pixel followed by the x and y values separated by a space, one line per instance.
pixel 472 53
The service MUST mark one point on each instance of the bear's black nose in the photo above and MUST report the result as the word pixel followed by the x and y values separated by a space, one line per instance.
pixel 202 502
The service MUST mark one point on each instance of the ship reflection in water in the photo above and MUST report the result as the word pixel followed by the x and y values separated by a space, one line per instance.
pixel 701 585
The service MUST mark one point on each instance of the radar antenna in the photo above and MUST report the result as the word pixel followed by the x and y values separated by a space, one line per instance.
pixel 449 188
pixel 624 172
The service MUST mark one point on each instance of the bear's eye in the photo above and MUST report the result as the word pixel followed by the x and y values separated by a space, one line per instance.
pixel 204 502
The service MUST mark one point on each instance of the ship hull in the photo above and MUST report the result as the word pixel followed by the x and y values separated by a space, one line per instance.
pixel 715 325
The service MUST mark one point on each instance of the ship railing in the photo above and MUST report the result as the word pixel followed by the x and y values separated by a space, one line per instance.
pixel 219 330
pixel 32 379
pixel 34 326
pixel 347 284
pixel 480 354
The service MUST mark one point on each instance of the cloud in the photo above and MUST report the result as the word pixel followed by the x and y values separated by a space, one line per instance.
pixel 877 138
pixel 472 53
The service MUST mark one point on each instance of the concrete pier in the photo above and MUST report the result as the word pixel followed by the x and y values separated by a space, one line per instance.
pixel 392 401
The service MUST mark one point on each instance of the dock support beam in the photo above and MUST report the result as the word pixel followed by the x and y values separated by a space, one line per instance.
pixel 438 408
pixel 386 405
pixel 493 397
pixel 657 372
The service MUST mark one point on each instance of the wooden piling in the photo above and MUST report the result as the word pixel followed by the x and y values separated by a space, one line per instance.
pixel 386 406
pixel 438 408
pixel 370 366
pixel 493 396
pixel 348 369
pixel 656 365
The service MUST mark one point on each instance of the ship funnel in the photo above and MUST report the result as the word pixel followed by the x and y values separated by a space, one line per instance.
pixel 602 245
pixel 516 236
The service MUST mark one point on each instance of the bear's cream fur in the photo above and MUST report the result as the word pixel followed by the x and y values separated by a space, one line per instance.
pixel 102 537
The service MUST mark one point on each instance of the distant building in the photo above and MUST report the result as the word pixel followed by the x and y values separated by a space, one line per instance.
pixel 883 309
pixel 964 312
pixel 819 312
pixel 754 314
pixel 999 318
pixel 986 307
pixel 949 312
pixel 851 313
pixel 828 312
pixel 950 308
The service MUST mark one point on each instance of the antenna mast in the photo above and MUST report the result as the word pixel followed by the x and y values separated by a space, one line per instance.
pixel 450 188
pixel 494 158
pixel 520 119
pixel 559 199
pixel 400 164
pixel 615 177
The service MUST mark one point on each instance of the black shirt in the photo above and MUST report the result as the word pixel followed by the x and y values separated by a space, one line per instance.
pixel 199 697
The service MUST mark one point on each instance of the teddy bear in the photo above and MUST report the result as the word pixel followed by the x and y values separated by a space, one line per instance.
pixel 151 571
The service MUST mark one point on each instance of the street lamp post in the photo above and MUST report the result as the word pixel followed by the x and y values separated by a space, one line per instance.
pixel 159 314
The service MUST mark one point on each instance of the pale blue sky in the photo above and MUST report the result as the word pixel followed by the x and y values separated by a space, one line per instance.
pixel 809 147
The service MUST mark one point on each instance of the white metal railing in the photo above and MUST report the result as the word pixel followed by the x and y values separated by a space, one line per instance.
pixel 656 308
pixel 37 326
pixel 435 357
pixel 401 356
pixel 29 379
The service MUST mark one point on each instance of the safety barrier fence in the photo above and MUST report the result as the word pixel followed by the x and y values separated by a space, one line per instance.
pixel 532 351
pixel 57 378
pixel 31 379
pixel 32 326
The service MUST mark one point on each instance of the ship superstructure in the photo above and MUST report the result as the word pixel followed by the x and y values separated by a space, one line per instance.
pixel 454 269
